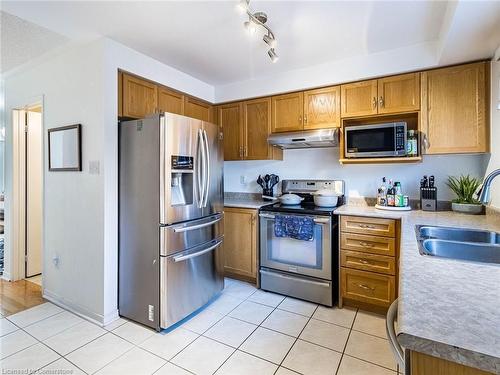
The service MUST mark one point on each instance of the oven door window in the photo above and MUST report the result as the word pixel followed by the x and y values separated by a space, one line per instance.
pixel 312 258
pixel 370 140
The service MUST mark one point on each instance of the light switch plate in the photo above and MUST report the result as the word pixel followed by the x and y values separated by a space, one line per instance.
pixel 94 167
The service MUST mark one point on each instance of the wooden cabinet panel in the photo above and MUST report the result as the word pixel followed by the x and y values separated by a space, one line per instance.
pixel 368 225
pixel 359 98
pixel 455 109
pixel 257 127
pixel 399 93
pixel 322 108
pixel 240 242
pixel 120 94
pixel 421 364
pixel 368 243
pixel 140 97
pixel 229 117
pixel 368 262
pixel 367 287
pixel 170 101
pixel 287 112
pixel 197 109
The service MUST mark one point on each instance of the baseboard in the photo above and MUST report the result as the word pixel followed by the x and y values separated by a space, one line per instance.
pixel 80 310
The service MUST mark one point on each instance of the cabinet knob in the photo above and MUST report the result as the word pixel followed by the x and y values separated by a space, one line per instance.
pixel 374 102
pixel 425 142
pixel 305 119
pixel 300 119
pixel 381 102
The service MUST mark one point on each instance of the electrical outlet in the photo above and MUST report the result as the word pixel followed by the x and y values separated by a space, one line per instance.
pixel 243 180
pixel 94 167
pixel 55 260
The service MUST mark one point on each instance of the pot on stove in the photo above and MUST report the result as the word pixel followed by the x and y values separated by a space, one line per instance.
pixel 325 198
pixel 290 199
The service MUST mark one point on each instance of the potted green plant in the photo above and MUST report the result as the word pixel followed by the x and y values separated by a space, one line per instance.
pixel 465 188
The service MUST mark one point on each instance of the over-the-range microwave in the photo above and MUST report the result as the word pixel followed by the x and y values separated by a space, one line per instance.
pixel 375 140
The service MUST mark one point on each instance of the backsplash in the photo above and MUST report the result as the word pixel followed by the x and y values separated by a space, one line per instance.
pixel 361 180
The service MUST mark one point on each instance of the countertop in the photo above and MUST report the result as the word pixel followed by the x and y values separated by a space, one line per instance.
pixel 447 308
pixel 245 200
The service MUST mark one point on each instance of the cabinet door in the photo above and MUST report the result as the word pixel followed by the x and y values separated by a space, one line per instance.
pixel 287 112
pixel 230 120
pixel 399 93
pixel 170 101
pixel 197 109
pixel 455 109
pixel 257 127
pixel 240 242
pixel 322 108
pixel 120 94
pixel 359 98
pixel 140 97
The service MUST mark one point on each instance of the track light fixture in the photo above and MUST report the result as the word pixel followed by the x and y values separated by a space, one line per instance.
pixel 259 19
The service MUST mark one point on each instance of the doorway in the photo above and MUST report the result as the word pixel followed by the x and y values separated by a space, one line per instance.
pixel 28 173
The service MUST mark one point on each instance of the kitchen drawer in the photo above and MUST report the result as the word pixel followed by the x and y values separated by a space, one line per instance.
pixel 368 262
pixel 367 287
pixel 368 244
pixel 368 225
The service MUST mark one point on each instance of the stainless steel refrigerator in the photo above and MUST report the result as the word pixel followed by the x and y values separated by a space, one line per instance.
pixel 170 218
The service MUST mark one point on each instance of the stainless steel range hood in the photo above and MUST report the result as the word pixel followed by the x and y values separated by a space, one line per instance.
pixel 305 139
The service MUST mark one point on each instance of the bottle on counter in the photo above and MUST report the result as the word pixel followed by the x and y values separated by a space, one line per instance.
pixel 391 194
pixel 398 195
pixel 382 194
pixel 411 144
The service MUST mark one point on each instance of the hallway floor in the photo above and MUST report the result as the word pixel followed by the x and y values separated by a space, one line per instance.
pixel 244 332
pixel 18 296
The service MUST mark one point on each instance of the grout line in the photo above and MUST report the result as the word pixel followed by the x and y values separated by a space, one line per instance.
pixel 346 341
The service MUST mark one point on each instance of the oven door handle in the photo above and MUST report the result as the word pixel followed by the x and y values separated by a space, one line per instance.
pixel 317 220
pixel 274 274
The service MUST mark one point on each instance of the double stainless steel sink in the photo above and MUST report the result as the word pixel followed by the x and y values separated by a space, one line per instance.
pixel 459 243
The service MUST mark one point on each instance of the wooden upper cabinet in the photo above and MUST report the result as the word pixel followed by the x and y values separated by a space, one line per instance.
pixel 399 93
pixel 359 98
pixel 120 94
pixel 322 108
pixel 257 127
pixel 455 109
pixel 140 97
pixel 287 112
pixel 197 109
pixel 170 101
pixel 229 117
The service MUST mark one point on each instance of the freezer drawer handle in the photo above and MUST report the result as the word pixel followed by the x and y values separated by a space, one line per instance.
pixel 326 285
pixel 197 254
pixel 193 227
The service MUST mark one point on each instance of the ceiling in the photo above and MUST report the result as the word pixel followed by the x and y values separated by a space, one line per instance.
pixel 207 39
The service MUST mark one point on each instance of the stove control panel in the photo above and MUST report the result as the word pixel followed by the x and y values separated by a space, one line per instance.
pixel 310 186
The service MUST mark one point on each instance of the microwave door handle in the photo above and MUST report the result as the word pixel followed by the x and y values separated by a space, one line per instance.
pixel 207 164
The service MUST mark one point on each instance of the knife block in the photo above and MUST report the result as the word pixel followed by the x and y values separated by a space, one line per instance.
pixel 428 199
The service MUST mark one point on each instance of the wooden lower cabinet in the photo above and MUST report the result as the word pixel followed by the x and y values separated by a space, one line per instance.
pixel 240 243
pixel 368 262
pixel 424 364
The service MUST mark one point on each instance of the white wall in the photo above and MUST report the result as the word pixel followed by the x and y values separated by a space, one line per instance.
pixel 79 85
pixel 495 131
pixel 361 180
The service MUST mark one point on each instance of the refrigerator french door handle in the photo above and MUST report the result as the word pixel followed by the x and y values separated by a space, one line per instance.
pixel 207 168
pixel 162 168
pixel 182 258
pixel 198 226
pixel 199 166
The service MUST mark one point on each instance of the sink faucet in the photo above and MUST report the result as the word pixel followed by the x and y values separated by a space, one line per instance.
pixel 484 192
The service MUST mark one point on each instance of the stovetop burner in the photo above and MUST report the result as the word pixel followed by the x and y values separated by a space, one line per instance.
pixel 305 188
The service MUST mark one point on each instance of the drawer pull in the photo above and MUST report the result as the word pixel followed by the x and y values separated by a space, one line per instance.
pixel 364 261
pixel 367 226
pixel 366 287
pixel 365 244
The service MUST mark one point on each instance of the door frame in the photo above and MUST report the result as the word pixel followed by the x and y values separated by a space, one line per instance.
pixel 16 270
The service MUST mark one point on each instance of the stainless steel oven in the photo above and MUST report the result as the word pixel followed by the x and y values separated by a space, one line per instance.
pixel 301 269
pixel 375 140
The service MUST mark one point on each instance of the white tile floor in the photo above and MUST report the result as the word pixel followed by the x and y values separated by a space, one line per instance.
pixel 245 331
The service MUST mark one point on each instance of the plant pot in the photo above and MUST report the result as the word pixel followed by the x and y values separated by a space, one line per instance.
pixel 467 208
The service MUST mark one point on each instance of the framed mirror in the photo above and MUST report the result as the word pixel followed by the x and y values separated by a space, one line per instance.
pixel 65 148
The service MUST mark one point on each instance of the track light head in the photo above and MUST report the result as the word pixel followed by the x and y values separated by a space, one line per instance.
pixel 272 54
pixel 251 27
pixel 270 41
pixel 243 6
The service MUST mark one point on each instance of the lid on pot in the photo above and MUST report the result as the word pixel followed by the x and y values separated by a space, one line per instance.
pixel 326 193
